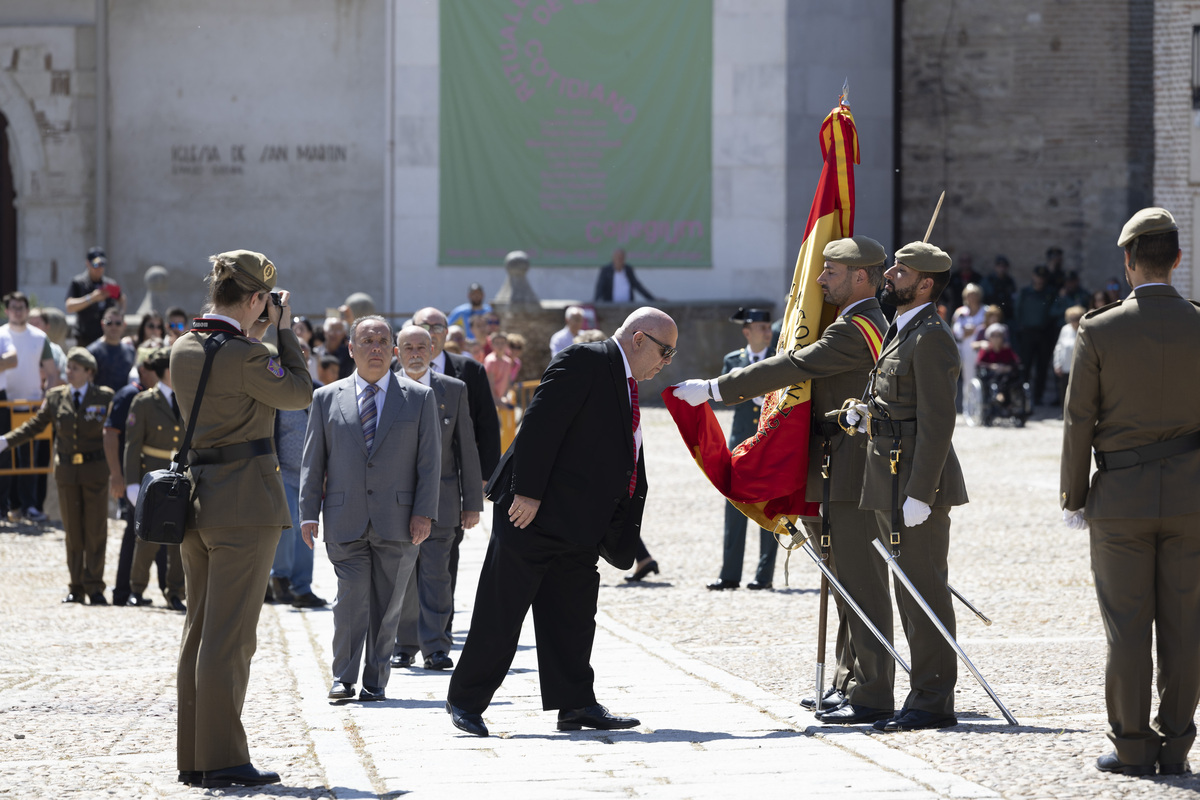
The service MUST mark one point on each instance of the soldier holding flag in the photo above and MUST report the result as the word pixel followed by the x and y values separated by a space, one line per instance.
pixel 838 364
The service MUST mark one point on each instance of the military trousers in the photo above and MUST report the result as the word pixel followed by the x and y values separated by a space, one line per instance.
pixel 866 671
pixel 145 554
pixel 84 508
pixel 226 572
pixel 1145 572
pixel 923 552
pixel 735 549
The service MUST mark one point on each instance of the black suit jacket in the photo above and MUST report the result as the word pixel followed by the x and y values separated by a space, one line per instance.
pixel 482 408
pixel 604 285
pixel 575 453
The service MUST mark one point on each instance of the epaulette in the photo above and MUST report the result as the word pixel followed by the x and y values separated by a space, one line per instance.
pixel 734 353
pixel 1097 311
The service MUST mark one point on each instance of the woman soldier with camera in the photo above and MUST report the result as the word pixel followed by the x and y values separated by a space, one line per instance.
pixel 238 510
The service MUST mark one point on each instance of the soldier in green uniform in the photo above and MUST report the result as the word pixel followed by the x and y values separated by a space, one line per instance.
pixel 153 431
pixel 239 508
pixel 1131 399
pixel 911 410
pixel 838 364
pixel 77 410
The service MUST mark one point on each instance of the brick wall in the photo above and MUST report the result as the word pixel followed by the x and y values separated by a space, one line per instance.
pixel 1173 125
pixel 1035 117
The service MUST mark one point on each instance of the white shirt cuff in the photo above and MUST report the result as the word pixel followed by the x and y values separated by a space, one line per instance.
pixel 716 391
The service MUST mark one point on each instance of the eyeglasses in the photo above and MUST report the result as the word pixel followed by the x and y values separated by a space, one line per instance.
pixel 667 352
pixel 114 322
pixel 493 322
pixel 435 327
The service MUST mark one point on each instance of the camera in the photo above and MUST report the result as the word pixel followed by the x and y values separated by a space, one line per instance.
pixel 276 300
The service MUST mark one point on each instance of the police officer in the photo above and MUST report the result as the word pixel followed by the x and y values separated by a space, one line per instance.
pixel 239 509
pixel 756 327
pixel 839 364
pixel 1131 398
pixel 153 430
pixel 911 408
pixel 77 410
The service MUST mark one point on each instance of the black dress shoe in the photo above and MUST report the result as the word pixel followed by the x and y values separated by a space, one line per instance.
pixel 643 571
pixel 1110 763
pixel 1174 769
pixel 466 721
pixel 850 714
pixel 281 590
pixel 73 597
pixel 98 599
pixel 137 599
pixel 191 777
pixel 176 604
pixel 438 660
pixel 308 600
pixel 831 699
pixel 721 584
pixel 755 585
pixel 401 660
pixel 244 775
pixel 341 691
pixel 593 717
pixel 914 719
pixel 371 693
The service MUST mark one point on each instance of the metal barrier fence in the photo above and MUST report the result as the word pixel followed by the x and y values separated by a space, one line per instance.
pixel 20 411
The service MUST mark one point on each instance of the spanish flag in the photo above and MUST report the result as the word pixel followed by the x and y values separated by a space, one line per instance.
pixel 765 476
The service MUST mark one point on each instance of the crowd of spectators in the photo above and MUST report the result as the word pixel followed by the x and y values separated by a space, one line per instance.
pixel 1039 319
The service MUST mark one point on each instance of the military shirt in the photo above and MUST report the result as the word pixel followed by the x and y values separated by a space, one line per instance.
pixel 152 424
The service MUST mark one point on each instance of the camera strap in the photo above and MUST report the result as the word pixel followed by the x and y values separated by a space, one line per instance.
pixel 213 343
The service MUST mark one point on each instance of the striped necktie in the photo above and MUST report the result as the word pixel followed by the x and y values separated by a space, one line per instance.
pixel 367 413
pixel 637 420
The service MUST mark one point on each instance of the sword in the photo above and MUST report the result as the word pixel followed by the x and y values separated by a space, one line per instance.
pixel 969 605
pixel 822 623
pixel 801 540
pixel 912 590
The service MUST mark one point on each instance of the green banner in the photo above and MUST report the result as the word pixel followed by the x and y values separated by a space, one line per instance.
pixel 571 128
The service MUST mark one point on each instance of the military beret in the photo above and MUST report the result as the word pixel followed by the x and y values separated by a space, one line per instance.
pixel 857 251
pixel 151 356
pixel 254 265
pixel 1148 220
pixel 82 357
pixel 747 315
pixel 924 257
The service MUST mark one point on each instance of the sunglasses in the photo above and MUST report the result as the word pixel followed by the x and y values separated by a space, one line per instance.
pixel 667 352
pixel 114 322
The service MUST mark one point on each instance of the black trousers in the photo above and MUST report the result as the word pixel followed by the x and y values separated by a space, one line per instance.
pixel 559 579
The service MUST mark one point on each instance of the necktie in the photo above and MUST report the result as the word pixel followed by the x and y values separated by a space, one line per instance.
pixel 367 413
pixel 175 406
pixel 637 419
pixel 887 337
pixel 78 400
pixel 433 367
pixel 753 359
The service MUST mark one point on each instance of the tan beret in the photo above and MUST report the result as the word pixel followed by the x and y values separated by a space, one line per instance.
pixel 252 264
pixel 1148 220
pixel 924 257
pixel 857 251
pixel 148 356
pixel 82 357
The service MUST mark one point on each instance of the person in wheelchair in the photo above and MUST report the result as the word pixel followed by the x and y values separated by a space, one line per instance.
pixel 998 370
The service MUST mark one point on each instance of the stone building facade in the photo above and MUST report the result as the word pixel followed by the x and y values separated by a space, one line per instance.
pixel 1037 118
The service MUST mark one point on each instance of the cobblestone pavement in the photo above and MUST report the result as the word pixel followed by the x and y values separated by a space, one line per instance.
pixel 87 702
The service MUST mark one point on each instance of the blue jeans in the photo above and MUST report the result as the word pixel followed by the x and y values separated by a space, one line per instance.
pixel 293 558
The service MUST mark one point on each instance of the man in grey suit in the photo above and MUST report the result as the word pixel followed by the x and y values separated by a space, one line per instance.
pixel 373 450
pixel 428 599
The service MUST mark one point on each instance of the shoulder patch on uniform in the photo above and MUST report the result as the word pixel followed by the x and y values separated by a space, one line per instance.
pixel 130 420
pixel 274 367
pixel 1098 311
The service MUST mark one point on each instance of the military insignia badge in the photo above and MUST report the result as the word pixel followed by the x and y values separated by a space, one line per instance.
pixel 275 368
pixel 130 420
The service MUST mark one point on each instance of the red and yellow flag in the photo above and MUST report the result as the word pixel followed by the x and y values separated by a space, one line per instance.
pixel 765 476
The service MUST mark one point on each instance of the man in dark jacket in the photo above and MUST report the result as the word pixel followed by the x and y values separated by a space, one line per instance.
pixel 616 282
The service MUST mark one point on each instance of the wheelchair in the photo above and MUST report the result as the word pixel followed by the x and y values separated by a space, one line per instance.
pixel 994 395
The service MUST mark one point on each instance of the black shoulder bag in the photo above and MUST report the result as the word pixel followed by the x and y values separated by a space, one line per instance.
pixel 166 494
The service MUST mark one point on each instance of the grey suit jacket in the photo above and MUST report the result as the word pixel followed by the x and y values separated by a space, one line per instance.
pixel 398 478
pixel 462 478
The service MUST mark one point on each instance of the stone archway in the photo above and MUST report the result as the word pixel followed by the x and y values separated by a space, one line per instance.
pixel 26 154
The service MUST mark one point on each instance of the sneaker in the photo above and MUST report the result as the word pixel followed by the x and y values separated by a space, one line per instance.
pixel 36 516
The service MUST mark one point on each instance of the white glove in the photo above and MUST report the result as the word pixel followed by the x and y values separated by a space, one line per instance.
pixel 1074 520
pixel 3 444
pixel 915 512
pixel 857 416
pixel 693 392
pixel 131 493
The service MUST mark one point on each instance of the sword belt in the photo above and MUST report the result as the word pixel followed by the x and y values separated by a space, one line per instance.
pixel 233 452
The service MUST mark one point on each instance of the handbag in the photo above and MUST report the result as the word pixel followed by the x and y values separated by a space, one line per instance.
pixel 165 496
